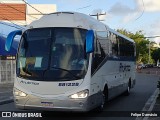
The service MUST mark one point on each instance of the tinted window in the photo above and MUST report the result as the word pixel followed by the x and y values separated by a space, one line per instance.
pixel 52 54
pixel 114 42
pixel 101 51
pixel 126 47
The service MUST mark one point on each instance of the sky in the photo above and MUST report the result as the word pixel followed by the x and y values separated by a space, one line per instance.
pixel 132 15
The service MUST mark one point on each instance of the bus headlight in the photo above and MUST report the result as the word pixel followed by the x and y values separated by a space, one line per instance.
pixel 81 94
pixel 19 93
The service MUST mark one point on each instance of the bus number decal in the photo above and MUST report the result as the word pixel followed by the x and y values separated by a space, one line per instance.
pixel 68 84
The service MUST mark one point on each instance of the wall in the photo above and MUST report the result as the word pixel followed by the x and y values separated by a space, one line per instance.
pixel 22 14
pixel 7 71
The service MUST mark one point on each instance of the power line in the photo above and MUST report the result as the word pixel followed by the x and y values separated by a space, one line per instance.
pixel 18 10
pixel 152 36
pixel 11 25
pixel 138 16
pixel 10 21
pixel 8 17
pixel 84 7
pixel 156 36
pixel 142 11
pixel 32 7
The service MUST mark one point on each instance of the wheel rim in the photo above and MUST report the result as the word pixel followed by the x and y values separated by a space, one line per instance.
pixel 128 89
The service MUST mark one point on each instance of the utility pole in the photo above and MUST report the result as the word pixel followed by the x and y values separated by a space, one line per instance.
pixel 99 14
pixel 149 53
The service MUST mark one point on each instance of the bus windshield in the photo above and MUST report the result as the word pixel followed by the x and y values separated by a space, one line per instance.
pixel 52 54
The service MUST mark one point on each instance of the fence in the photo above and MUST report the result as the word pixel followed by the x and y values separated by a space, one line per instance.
pixel 151 71
pixel 7 71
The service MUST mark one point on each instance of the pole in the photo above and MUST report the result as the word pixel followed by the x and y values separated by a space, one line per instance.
pixel 149 53
pixel 97 15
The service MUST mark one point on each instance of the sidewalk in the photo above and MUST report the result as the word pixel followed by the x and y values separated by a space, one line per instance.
pixel 6 93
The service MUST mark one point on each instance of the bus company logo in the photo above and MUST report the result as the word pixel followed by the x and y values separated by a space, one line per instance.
pixel 29 83
pixel 6 114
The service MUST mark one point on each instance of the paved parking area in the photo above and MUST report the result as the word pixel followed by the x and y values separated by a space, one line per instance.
pixel 6 93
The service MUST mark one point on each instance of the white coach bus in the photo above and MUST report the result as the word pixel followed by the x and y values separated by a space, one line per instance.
pixel 69 61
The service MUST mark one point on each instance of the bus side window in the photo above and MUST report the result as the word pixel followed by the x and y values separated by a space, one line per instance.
pixel 96 57
pixel 113 44
pixel 101 49
pixel 126 48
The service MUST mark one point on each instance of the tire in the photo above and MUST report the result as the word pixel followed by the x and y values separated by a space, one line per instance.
pixel 101 107
pixel 127 92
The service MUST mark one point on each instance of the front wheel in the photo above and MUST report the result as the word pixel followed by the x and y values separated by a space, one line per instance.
pixel 101 107
pixel 127 92
pixel 104 100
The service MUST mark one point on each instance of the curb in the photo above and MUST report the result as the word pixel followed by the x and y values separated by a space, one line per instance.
pixel 153 102
pixel 149 105
pixel 6 101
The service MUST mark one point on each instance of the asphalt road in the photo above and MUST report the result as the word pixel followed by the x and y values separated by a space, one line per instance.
pixel 145 86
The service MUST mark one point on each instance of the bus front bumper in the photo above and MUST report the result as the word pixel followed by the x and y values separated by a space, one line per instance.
pixel 55 104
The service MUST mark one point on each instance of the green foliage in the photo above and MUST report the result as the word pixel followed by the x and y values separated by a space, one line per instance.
pixel 142 45
pixel 156 55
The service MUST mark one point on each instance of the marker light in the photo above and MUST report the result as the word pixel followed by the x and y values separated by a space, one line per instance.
pixel 81 94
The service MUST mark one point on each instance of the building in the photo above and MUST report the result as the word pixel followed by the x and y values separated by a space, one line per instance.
pixel 21 13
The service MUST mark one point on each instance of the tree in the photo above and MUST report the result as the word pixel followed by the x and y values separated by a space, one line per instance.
pixel 156 55
pixel 142 50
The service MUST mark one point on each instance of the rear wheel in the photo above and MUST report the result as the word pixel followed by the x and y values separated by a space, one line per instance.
pixel 127 92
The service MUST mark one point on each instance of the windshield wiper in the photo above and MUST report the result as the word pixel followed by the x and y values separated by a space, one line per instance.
pixel 77 77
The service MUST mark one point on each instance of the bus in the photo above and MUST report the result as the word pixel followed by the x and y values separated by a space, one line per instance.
pixel 69 61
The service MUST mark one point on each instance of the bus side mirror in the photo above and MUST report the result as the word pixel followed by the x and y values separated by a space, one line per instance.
pixel 10 39
pixel 90 41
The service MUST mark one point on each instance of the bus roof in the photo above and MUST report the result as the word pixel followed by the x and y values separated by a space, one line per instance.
pixel 72 19
pixel 68 19
pixel 121 35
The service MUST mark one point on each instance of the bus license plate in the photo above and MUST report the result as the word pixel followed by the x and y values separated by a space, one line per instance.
pixel 47 104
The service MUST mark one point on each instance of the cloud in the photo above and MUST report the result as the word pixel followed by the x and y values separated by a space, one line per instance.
pixel 148 5
pixel 156 24
pixel 120 9
pixel 154 30
pixel 130 14
pixel 130 17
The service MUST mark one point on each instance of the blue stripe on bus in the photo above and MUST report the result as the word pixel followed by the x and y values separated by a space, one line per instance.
pixel 121 58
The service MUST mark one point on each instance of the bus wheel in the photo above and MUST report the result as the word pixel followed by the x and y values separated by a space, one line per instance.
pixel 104 100
pixel 101 107
pixel 127 92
